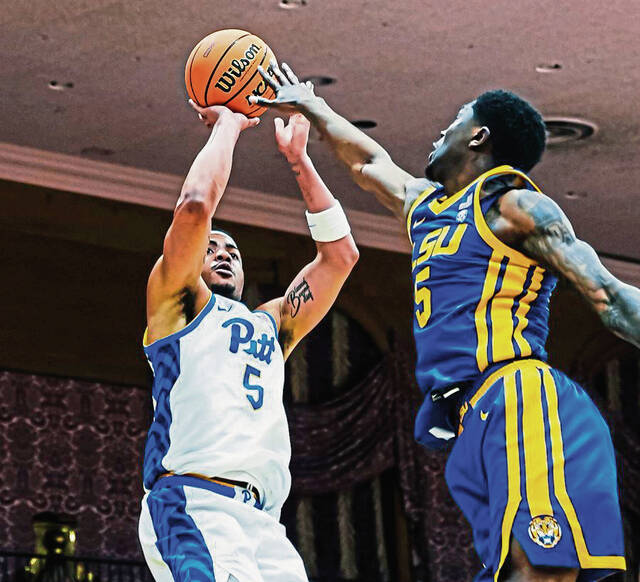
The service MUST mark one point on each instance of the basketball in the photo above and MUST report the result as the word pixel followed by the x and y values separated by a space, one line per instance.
pixel 222 69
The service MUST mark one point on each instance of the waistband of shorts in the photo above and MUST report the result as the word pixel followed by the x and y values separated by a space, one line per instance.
pixel 499 370
pixel 224 487
pixel 482 385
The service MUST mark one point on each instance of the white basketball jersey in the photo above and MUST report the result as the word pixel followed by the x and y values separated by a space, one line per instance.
pixel 217 397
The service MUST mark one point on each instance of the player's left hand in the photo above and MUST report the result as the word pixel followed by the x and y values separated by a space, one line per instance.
pixel 291 94
pixel 292 138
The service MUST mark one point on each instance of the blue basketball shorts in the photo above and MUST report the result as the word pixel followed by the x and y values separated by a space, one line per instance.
pixel 534 460
pixel 192 530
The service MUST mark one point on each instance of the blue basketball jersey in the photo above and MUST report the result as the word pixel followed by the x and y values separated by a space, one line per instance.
pixel 478 302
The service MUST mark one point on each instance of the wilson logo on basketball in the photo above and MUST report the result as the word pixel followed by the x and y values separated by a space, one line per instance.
pixel 228 79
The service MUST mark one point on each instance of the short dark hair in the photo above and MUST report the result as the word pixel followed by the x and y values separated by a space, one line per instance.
pixel 517 129
pixel 215 228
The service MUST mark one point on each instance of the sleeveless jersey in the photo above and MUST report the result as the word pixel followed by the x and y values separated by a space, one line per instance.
pixel 217 398
pixel 477 301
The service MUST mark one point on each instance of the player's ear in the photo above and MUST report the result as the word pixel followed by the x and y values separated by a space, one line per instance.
pixel 480 137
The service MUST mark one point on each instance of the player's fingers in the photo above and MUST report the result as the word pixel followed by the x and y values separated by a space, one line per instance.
pixel 279 124
pixel 196 107
pixel 289 73
pixel 309 85
pixel 302 120
pixel 280 75
pixel 268 79
pixel 253 121
pixel 262 101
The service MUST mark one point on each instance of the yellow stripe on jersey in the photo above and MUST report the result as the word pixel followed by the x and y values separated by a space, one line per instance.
pixel 501 312
pixel 535 447
pixel 560 487
pixel 513 467
pixel 523 309
pixel 483 228
pixel 415 205
pixel 490 279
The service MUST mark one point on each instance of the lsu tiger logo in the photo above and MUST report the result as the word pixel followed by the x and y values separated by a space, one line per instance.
pixel 545 531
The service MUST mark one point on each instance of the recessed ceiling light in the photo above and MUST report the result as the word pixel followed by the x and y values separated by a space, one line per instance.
pixel 291 4
pixel 319 80
pixel 96 151
pixel 561 130
pixel 57 86
pixel 365 123
pixel 548 67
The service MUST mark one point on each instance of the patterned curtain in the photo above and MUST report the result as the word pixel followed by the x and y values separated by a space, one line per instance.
pixel 72 447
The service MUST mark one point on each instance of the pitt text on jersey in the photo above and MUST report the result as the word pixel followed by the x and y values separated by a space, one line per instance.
pixel 242 332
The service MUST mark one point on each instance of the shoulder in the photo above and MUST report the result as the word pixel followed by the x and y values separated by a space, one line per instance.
pixel 530 211
pixel 273 309
pixel 413 188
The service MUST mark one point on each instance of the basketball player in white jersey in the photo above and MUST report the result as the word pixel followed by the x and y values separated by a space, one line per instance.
pixel 216 460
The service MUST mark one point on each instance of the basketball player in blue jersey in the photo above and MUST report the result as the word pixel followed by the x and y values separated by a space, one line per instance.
pixel 216 463
pixel 533 465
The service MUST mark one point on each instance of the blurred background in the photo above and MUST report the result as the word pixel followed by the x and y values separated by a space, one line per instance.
pixel 95 139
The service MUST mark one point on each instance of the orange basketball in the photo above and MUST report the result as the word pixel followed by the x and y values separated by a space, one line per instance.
pixel 222 69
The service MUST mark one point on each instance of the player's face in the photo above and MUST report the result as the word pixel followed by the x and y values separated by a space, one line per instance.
pixel 452 147
pixel 222 270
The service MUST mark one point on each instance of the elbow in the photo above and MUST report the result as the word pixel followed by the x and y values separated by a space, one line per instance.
pixel 351 256
pixel 194 204
pixel 342 256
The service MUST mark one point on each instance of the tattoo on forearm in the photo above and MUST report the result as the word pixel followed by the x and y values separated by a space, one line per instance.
pixel 555 245
pixel 301 293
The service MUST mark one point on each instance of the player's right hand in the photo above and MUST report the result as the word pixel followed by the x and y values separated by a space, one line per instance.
pixel 291 94
pixel 292 138
pixel 220 114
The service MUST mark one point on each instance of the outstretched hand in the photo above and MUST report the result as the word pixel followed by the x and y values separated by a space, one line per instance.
pixel 290 92
pixel 292 138
pixel 210 116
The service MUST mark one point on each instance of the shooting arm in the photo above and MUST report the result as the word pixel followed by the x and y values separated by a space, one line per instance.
pixel 549 238
pixel 177 273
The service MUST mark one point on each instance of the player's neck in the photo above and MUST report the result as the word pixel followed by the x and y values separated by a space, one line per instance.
pixel 466 174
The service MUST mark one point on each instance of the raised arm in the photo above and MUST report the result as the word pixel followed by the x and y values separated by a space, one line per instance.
pixel 548 237
pixel 314 290
pixel 176 291
pixel 370 165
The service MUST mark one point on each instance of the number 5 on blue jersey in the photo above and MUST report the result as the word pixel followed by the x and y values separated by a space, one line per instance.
pixel 248 372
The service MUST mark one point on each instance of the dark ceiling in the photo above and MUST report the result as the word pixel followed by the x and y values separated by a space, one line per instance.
pixel 407 65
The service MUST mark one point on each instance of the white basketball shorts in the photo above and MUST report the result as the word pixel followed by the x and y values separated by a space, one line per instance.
pixel 192 530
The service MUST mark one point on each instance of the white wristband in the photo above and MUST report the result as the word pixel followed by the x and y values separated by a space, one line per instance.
pixel 328 225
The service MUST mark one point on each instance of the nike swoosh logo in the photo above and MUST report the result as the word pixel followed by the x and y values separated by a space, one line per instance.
pixel 220 308
pixel 417 223
pixel 484 415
